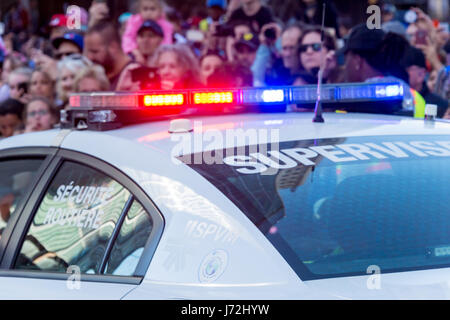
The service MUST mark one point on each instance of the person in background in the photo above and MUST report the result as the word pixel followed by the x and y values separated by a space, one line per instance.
pixel 123 18
pixel 310 13
pixel 216 14
pixel 17 18
pixel 209 26
pixel 91 79
pixel 285 67
pixel 42 84
pixel 254 13
pixel 98 11
pixel 4 90
pixel 388 12
pixel 10 63
pixel 67 44
pixel 230 75
pixel 245 50
pixel 414 62
pixel 175 18
pixel 68 68
pixel 70 43
pixel 232 32
pixel 102 46
pixel 11 111
pixel 58 26
pixel 18 82
pixel 209 62
pixel 39 115
pixel 374 54
pixel 149 37
pixel 312 53
pixel 148 10
pixel 442 86
pixel 177 68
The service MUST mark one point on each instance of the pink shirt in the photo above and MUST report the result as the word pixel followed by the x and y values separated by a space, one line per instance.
pixel 132 27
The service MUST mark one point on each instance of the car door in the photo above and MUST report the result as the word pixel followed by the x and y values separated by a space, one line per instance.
pixel 83 230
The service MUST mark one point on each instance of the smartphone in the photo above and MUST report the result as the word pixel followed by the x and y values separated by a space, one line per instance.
pixel 270 34
pixel 24 87
pixel 145 76
pixel 421 37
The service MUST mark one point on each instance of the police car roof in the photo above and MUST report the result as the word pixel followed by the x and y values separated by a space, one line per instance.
pixel 291 126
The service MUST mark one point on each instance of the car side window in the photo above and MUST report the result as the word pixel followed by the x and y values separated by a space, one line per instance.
pixel 76 222
pixel 15 176
pixel 130 242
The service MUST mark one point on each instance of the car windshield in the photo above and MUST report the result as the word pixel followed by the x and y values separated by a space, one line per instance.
pixel 337 207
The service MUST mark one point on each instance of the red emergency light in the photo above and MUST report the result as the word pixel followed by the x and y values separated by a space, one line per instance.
pixel 223 97
pixel 163 100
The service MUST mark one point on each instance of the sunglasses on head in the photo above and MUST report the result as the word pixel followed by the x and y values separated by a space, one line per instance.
pixel 61 55
pixel 315 46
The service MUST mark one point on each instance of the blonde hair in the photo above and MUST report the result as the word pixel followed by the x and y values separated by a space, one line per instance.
pixel 75 63
pixel 94 72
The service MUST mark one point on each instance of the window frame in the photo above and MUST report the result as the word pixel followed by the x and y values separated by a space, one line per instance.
pixel 46 154
pixel 34 200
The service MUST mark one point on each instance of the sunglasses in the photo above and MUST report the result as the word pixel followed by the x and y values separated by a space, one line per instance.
pixel 315 46
pixel 41 113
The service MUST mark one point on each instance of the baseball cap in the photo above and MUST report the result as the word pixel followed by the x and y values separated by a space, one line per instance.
pixel 75 38
pixel 216 3
pixel 250 40
pixel 389 7
pixel 362 38
pixel 152 25
pixel 394 27
pixel 124 17
pixel 414 57
pixel 58 20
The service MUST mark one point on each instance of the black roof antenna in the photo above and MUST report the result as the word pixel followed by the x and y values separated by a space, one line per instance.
pixel 318 109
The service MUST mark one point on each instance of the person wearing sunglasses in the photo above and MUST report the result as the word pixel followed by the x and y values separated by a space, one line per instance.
pixel 39 115
pixel 311 52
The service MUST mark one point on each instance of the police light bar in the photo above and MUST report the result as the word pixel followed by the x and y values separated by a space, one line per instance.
pixel 148 104
pixel 164 100
pixel 331 93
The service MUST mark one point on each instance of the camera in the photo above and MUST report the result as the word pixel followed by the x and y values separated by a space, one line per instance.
pixel 24 87
pixel 270 34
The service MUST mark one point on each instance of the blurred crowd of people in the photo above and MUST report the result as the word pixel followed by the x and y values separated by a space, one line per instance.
pixel 235 44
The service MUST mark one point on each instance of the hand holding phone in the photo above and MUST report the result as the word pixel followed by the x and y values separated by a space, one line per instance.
pixel 421 37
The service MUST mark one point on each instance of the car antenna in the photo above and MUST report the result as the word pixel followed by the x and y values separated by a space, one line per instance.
pixel 318 109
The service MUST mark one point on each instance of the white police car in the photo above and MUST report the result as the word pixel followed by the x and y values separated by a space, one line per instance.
pixel 239 206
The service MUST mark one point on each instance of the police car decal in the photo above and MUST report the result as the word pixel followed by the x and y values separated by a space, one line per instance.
pixel 302 153
pixel 332 207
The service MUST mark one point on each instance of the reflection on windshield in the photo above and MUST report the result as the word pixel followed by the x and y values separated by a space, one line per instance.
pixel 379 201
